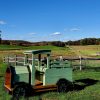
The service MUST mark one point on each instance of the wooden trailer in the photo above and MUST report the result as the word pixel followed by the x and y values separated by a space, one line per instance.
pixel 38 73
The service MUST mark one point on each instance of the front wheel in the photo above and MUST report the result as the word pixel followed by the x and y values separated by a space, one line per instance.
pixel 19 92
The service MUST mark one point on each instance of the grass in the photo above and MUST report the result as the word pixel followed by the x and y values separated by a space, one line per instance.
pixel 56 51
pixel 89 50
pixel 68 51
pixel 89 92
pixel 3 95
pixel 10 47
pixel 13 47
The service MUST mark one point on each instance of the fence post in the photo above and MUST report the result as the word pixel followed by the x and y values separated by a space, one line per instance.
pixel 15 60
pixel 25 59
pixel 80 63
pixel 4 60
pixel 8 59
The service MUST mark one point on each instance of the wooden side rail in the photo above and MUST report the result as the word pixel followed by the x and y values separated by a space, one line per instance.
pixel 16 60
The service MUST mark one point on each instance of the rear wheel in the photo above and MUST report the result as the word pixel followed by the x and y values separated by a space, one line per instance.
pixel 63 85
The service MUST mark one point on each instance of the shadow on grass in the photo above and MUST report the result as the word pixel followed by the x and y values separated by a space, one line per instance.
pixel 1 76
pixel 97 69
pixel 79 84
pixel 82 83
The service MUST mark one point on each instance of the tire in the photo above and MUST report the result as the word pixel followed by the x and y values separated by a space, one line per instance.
pixel 63 85
pixel 19 92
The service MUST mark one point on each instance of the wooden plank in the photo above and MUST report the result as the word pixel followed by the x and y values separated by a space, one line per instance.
pixel 41 87
pixel 8 87
pixel 8 78
pixel 43 90
pixel 82 58
pixel 37 82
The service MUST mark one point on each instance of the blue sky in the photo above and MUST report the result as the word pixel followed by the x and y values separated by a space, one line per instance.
pixel 47 20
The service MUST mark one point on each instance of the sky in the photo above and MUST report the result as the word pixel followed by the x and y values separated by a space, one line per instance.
pixel 49 20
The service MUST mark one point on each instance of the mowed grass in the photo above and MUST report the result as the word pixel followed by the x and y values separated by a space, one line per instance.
pixel 89 90
pixel 12 47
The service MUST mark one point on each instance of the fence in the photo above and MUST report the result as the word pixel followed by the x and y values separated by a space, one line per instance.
pixel 77 63
pixel 83 63
pixel 16 60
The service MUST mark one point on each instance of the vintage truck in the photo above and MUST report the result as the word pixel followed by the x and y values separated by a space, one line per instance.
pixel 37 73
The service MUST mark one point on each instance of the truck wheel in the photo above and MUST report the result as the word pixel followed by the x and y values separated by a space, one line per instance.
pixel 19 92
pixel 63 85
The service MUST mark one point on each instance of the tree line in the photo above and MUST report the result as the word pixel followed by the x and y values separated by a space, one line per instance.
pixel 85 41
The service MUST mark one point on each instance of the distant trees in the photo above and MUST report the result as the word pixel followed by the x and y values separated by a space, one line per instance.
pixel 5 42
pixel 58 43
pixel 85 41
pixel 0 36
pixel 73 42
pixel 16 42
pixel 88 41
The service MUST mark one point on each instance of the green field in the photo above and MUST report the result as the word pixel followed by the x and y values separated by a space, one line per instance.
pixel 86 82
pixel 90 50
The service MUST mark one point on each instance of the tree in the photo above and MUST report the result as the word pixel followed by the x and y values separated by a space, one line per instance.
pixel 0 36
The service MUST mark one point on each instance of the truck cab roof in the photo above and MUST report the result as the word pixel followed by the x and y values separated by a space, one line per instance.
pixel 37 52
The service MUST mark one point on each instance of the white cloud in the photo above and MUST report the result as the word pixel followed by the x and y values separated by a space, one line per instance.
pixel 2 22
pixel 32 33
pixel 56 33
pixel 75 29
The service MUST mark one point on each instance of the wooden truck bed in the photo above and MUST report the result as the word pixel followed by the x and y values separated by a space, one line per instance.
pixel 38 87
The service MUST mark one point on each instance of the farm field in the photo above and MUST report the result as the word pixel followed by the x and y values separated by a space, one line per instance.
pixel 86 82
pixel 89 50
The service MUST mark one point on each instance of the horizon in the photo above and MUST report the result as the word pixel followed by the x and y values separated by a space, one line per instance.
pixel 50 41
pixel 49 20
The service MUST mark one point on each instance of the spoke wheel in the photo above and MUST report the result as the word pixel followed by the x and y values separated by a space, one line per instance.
pixel 19 92
pixel 63 86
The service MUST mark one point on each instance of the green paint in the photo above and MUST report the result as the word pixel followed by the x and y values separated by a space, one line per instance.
pixel 49 73
pixel 20 74
pixel 38 52
pixel 54 74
